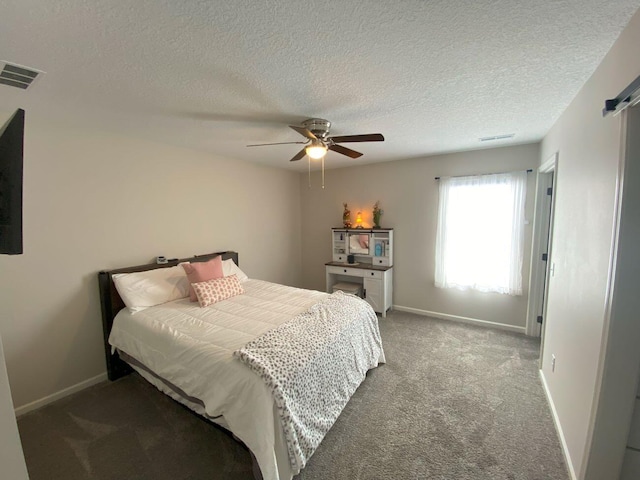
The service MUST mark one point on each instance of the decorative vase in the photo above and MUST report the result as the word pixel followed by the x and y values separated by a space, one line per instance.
pixel 377 213
pixel 346 217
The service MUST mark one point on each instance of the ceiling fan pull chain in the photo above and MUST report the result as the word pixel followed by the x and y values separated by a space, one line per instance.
pixel 323 172
pixel 309 162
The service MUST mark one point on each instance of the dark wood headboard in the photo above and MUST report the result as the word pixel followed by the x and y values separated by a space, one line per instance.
pixel 111 304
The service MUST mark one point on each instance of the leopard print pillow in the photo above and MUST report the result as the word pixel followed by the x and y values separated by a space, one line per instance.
pixel 217 289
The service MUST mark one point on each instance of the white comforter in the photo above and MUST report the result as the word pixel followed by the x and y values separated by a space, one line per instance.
pixel 313 365
pixel 193 347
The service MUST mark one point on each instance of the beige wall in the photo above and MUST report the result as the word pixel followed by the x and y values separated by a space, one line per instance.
pixel 11 457
pixel 576 326
pixel 408 195
pixel 96 201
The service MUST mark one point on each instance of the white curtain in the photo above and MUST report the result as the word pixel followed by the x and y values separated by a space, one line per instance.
pixel 480 238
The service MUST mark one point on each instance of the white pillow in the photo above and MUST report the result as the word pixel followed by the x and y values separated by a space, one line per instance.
pixel 229 267
pixel 140 290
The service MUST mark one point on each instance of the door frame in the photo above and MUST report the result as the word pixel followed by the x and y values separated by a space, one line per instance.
pixel 542 219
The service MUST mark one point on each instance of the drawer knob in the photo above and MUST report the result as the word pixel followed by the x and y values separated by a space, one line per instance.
pixel 345 270
pixel 372 274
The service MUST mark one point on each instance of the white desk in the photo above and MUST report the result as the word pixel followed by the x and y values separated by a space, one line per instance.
pixel 377 282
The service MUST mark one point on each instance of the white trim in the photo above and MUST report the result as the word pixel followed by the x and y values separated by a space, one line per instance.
pixel 29 407
pixel 456 318
pixel 549 165
pixel 556 422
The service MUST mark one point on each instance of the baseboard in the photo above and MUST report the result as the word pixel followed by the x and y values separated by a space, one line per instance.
pixel 456 318
pixel 556 422
pixel 29 407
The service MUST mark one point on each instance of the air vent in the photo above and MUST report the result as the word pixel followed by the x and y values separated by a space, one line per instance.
pixel 18 76
pixel 497 137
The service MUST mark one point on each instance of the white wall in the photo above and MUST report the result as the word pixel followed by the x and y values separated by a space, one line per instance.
pixel 11 457
pixel 408 195
pixel 583 242
pixel 93 201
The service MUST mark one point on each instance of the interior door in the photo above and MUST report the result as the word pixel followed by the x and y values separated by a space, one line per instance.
pixel 546 255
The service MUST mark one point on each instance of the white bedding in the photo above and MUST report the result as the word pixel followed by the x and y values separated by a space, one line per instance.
pixel 313 365
pixel 193 347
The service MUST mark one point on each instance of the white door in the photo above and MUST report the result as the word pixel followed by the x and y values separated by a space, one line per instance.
pixel 545 255
pixel 541 258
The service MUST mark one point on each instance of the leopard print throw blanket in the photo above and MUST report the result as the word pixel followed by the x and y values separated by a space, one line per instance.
pixel 313 364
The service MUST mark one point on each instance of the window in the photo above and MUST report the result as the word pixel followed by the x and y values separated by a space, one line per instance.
pixel 480 237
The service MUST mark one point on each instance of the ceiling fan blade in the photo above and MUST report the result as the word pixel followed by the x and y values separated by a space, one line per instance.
pixel 299 155
pixel 278 143
pixel 345 151
pixel 370 137
pixel 304 132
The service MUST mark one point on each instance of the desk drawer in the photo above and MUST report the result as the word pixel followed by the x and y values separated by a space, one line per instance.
pixel 381 261
pixel 373 274
pixel 352 272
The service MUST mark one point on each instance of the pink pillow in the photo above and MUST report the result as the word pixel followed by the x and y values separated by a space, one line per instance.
pixel 201 272
pixel 217 289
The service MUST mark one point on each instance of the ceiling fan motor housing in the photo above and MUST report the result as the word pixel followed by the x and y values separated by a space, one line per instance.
pixel 318 126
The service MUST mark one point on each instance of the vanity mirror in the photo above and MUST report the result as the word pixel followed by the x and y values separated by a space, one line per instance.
pixel 372 246
pixel 359 243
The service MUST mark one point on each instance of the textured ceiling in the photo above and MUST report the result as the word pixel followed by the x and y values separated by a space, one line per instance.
pixel 432 76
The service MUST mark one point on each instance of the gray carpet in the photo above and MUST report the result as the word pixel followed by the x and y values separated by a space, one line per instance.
pixel 454 402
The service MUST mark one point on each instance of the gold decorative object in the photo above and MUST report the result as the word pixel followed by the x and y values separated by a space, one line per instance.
pixel 346 217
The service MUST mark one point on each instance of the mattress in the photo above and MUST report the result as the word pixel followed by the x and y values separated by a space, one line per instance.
pixel 192 348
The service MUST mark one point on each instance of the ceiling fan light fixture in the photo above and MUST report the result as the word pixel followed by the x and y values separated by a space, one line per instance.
pixel 316 151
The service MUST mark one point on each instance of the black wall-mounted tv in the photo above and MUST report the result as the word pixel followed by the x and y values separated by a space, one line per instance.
pixel 11 153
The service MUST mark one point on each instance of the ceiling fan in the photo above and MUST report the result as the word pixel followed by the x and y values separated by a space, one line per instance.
pixel 318 140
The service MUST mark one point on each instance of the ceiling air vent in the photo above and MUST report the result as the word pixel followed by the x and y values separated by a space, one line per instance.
pixel 18 76
pixel 497 137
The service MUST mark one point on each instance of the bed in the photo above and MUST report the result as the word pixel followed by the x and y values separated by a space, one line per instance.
pixel 209 359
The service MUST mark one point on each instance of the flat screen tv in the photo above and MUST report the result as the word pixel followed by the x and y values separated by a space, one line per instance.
pixel 11 151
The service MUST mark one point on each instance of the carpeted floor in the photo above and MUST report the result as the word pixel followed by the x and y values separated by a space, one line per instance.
pixel 454 402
